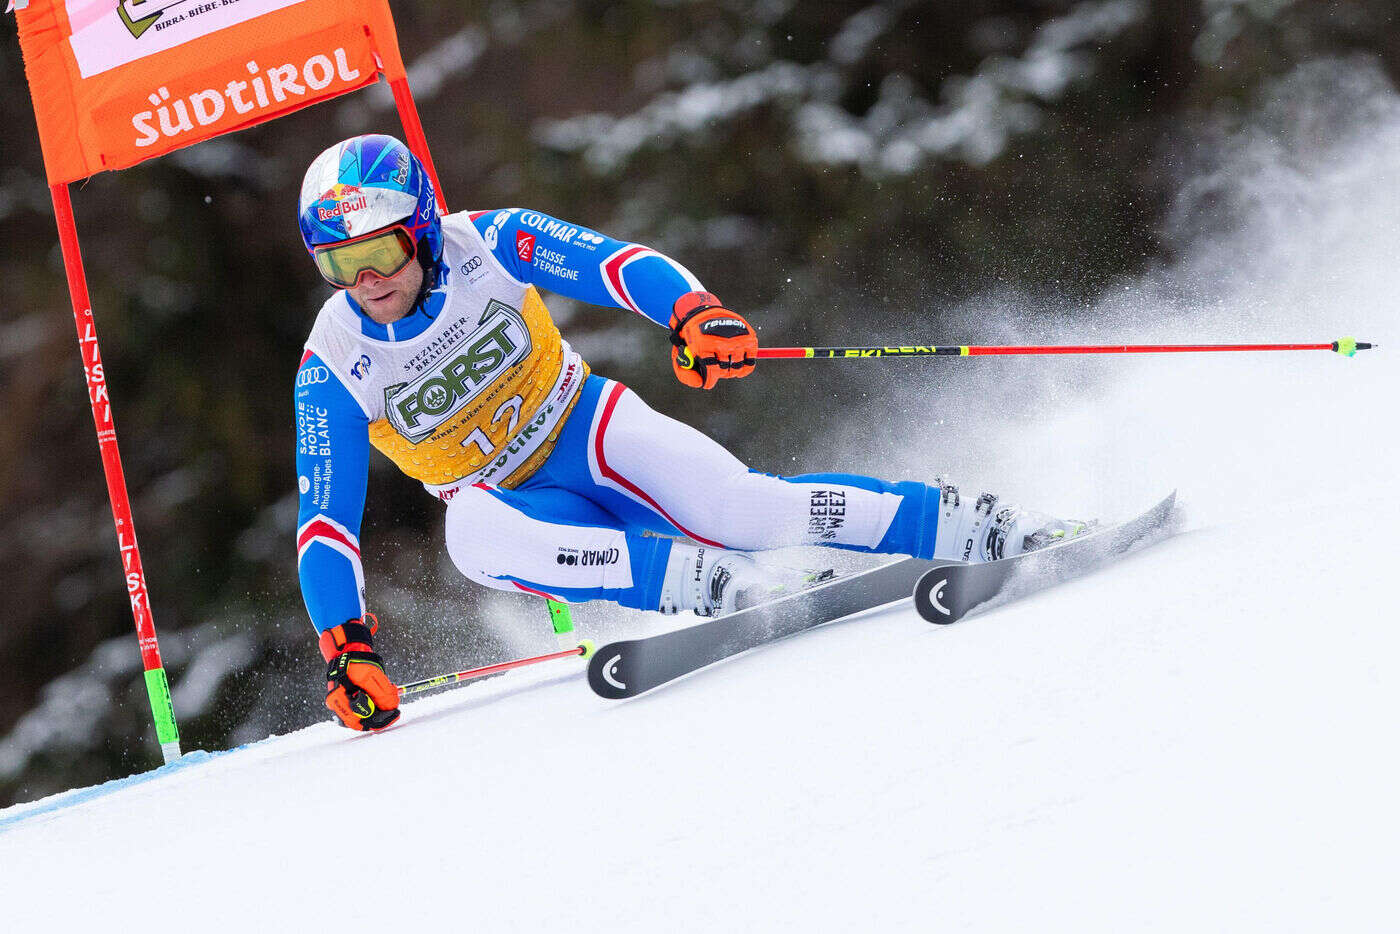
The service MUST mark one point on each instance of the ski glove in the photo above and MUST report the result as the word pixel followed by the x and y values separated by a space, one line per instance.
pixel 357 689
pixel 712 342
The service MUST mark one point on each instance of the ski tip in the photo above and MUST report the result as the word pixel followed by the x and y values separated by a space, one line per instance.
pixel 929 596
pixel 587 648
pixel 608 673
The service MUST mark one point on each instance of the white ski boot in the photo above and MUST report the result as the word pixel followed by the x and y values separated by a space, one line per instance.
pixel 1021 530
pixel 977 530
pixel 714 582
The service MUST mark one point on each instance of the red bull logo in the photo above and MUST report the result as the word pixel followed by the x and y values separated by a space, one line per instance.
pixel 348 200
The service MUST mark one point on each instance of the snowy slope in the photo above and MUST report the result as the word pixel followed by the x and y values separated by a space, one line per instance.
pixel 1199 738
pixel 1195 738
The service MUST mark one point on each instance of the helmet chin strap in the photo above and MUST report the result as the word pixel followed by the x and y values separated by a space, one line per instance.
pixel 432 275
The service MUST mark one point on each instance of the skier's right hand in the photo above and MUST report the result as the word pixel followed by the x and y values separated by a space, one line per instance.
pixel 358 691
pixel 711 342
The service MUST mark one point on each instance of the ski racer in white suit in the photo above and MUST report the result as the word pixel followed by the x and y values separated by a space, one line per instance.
pixel 437 350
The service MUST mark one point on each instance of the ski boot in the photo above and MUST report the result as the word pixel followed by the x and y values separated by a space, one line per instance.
pixel 1018 531
pixel 714 582
pixel 977 530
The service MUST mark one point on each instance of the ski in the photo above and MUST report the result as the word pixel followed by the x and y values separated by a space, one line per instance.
pixel 943 592
pixel 946 594
pixel 631 667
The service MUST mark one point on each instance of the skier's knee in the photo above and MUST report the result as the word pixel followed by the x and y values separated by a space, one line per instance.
pixel 730 513
pixel 751 511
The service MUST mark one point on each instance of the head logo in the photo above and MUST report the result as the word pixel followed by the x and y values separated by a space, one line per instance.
pixel 935 597
pixel 609 670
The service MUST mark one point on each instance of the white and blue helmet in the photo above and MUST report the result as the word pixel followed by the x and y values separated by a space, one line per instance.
pixel 364 184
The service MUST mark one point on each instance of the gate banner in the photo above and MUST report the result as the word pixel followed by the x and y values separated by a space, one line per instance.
pixel 116 82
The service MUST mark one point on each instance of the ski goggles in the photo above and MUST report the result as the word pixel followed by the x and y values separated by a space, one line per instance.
pixel 384 252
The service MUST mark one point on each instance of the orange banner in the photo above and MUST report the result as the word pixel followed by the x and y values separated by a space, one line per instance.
pixel 116 82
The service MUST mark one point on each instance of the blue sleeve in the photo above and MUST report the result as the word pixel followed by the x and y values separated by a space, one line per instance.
pixel 580 264
pixel 332 473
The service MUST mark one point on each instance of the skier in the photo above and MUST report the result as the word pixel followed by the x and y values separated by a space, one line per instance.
pixel 437 350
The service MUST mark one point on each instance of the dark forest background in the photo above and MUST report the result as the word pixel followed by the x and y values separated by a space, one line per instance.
pixel 836 171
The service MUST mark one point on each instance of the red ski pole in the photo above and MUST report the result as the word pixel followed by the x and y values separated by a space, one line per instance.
pixel 584 649
pixel 1347 346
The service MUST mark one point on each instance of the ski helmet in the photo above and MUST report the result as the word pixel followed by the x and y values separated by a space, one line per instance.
pixel 365 184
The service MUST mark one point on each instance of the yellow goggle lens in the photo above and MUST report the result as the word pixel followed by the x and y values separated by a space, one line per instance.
pixel 385 254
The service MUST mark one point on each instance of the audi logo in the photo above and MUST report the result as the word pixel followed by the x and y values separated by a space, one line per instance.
pixel 312 375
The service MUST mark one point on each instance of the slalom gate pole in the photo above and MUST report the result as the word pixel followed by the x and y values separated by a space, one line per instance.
pixel 157 685
pixel 563 622
pixel 413 129
pixel 584 650
pixel 1346 346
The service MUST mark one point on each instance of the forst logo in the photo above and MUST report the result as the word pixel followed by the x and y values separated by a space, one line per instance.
pixel 139 15
pixel 418 408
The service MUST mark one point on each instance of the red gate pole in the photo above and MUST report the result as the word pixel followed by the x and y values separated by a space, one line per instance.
pixel 413 129
pixel 157 686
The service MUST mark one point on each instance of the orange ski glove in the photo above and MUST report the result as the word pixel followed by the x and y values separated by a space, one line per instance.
pixel 712 342
pixel 357 689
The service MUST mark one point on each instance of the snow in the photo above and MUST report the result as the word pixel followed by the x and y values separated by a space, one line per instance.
pixel 1196 738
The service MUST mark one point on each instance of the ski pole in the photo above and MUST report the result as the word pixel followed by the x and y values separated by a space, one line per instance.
pixel 584 649
pixel 1347 346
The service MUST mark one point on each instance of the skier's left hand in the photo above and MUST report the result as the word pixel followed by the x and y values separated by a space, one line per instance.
pixel 712 342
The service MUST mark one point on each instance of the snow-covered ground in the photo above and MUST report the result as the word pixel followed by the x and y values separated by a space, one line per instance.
pixel 1198 738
